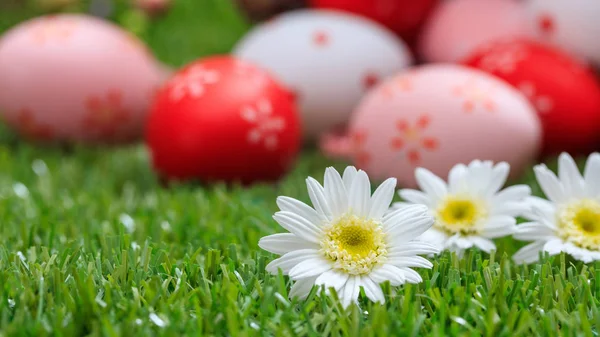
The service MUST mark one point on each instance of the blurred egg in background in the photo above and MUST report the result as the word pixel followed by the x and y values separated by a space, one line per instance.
pixel 403 17
pixel 328 59
pixel 564 92
pixel 222 119
pixel 75 78
pixel 572 25
pixel 435 116
pixel 456 27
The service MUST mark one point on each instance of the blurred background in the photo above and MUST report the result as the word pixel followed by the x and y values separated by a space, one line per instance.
pixel 234 90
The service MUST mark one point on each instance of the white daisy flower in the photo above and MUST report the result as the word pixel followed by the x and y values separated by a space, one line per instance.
pixel 470 210
pixel 349 239
pixel 570 220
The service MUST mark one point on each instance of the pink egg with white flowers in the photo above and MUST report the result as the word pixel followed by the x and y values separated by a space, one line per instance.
pixel 75 78
pixel 572 25
pixel 436 116
pixel 457 27
pixel 328 59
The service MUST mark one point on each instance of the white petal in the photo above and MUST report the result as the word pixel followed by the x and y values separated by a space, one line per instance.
pixel 411 276
pixel 409 230
pixel 591 175
pixel 382 198
pixel 498 178
pixel 515 208
pixel 533 231
pixel 479 176
pixel 302 288
pixel 541 210
pixel 298 225
pixel 549 183
pixel 312 266
pixel 387 272
pixel 413 248
pixel 416 197
pixel 458 244
pixel 410 261
pixel 290 260
pixel 317 197
pixel 296 206
pixel 404 215
pixel 283 243
pixel 554 246
pixel 348 177
pixel 349 292
pixel 335 193
pixel 372 290
pixel 435 237
pixel 332 279
pixel 581 254
pixel 499 226
pixel 360 195
pixel 512 193
pixel 482 243
pixel 569 176
pixel 456 181
pixel 529 253
pixel 431 184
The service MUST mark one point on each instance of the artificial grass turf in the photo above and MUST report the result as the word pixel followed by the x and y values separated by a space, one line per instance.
pixel 92 244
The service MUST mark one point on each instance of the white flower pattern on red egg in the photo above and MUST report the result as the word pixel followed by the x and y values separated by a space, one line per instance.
pixel 192 83
pixel 504 61
pixel 266 127
pixel 542 103
pixel 475 95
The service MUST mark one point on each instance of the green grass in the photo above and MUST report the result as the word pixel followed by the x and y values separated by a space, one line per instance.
pixel 91 244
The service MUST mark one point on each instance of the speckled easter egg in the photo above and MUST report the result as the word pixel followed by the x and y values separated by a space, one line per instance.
pixel 436 116
pixel 570 24
pixel 564 91
pixel 75 78
pixel 328 59
pixel 457 27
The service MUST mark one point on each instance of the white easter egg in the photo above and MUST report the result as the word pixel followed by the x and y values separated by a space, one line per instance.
pixel 329 60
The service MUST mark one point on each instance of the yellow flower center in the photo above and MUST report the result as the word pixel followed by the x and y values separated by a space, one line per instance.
pixel 458 214
pixel 354 244
pixel 579 223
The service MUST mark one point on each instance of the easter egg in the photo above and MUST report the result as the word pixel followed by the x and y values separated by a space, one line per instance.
pixel 564 92
pixel 75 78
pixel 221 119
pixel 404 17
pixel 436 116
pixel 457 27
pixel 572 25
pixel 328 59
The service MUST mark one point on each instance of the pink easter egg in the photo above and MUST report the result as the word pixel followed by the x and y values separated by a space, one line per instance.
pixel 75 78
pixel 436 116
pixel 456 27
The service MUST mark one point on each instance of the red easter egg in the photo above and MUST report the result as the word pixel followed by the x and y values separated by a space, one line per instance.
pixel 405 17
pixel 564 91
pixel 222 119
